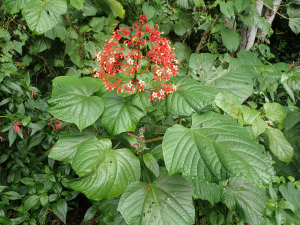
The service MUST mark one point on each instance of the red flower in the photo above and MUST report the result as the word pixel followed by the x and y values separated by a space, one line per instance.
pixel 143 53
pixel 54 123
pixel 1 138
pixel 16 125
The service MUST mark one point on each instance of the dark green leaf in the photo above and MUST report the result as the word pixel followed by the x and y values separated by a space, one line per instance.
pixel 151 163
pixel 241 5
pixel 31 201
pixel 90 213
pixel 60 209
pixel 111 7
pixel 148 10
pixel 168 200
pixel 230 39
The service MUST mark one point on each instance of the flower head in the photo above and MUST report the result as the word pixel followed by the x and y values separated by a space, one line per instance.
pixel 54 123
pixel 144 52
pixel 16 125
pixel 1 138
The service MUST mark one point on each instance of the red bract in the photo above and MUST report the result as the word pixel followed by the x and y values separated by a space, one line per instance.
pixel 54 123
pixel 16 125
pixel 135 51
pixel 1 138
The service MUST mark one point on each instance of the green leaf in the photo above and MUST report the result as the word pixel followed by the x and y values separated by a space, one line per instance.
pixel 12 195
pixel 279 146
pixel 191 96
pixel 103 172
pixel 60 209
pixel 204 190
pixel 5 220
pixel 227 8
pixel 216 219
pixel 275 112
pixel 247 201
pixel 78 4
pixel 182 51
pixel 227 79
pixel 259 126
pixel 249 115
pixel 168 200
pixel 90 213
pixel 179 28
pixel 12 135
pixel 111 7
pixel 231 105
pixel 294 24
pixel 97 23
pixel 214 149
pixel 291 119
pixel 14 6
pixel 67 145
pixel 43 16
pixel 141 100
pixel 241 5
pixel 291 194
pixel 183 3
pixel 286 205
pixel 31 201
pixel 44 199
pixel 151 163
pixel 294 81
pixel 199 3
pixel 119 114
pixel 74 100
pixel 148 10
pixel 230 39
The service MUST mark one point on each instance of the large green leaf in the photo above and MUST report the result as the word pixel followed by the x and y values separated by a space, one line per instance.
pixel 74 100
pixel 230 39
pixel 191 96
pixel 207 191
pixel 214 149
pixel 168 200
pixel 245 199
pixel 103 172
pixel 14 6
pixel 280 147
pixel 111 7
pixel 294 80
pixel 293 11
pixel 67 146
pixel 119 114
pixel 148 10
pixel 215 72
pixel 42 16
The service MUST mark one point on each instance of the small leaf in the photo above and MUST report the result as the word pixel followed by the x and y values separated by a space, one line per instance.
pixel 279 146
pixel 5 220
pixel 90 213
pixel 111 7
pixel 259 126
pixel 78 4
pixel 148 10
pixel 60 209
pixel 227 8
pixel 291 194
pixel 12 195
pixel 286 205
pixel 230 39
pixel 241 5
pixel 275 112
pixel 151 163
pixel 31 201
pixel 44 199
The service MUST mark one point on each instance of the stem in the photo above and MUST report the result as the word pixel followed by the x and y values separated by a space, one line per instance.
pixel 154 139
pixel 273 10
pixel 207 33
pixel 117 145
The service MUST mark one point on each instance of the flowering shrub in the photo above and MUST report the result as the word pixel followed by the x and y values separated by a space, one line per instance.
pixel 135 52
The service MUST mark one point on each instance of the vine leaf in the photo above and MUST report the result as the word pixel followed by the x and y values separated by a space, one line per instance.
pixel 214 149
pixel 168 200
pixel 74 102
pixel 191 96
pixel 42 16
pixel 14 6
pixel 103 172
pixel 275 112
pixel 245 199
pixel 119 114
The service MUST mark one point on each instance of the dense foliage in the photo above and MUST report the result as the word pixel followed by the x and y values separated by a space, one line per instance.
pixel 105 109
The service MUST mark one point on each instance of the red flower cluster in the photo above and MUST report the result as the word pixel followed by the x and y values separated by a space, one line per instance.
pixel 54 123
pixel 16 125
pixel 136 51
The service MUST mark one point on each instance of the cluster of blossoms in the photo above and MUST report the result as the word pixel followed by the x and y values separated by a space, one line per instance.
pixel 140 140
pixel 54 123
pixel 16 125
pixel 123 54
